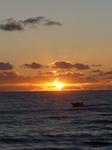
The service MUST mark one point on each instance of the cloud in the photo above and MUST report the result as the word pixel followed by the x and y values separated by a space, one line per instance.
pixel 61 64
pixel 32 65
pixel 49 73
pixel 110 78
pixel 99 65
pixel 90 80
pixel 12 78
pixel 5 66
pixel 71 75
pixel 68 65
pixel 52 23
pixel 40 20
pixel 12 25
pixel 76 77
pixel 108 73
pixel 80 66
pixel 10 74
pixel 9 77
pixel 36 20
pixel 103 74
pixel 96 71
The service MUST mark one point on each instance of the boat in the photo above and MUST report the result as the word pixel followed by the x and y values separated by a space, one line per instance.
pixel 77 104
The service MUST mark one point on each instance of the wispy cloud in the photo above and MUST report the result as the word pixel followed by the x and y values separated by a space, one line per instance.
pixel 13 25
pixel 99 65
pixel 96 71
pixel 52 23
pixel 6 66
pixel 37 20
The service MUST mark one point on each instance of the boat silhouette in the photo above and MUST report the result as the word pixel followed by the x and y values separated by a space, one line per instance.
pixel 77 104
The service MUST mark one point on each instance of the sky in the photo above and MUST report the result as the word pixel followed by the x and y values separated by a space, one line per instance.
pixel 48 45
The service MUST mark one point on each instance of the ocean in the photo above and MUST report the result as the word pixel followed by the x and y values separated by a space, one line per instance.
pixel 47 120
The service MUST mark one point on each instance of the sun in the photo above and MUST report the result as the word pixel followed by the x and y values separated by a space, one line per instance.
pixel 54 86
pixel 59 85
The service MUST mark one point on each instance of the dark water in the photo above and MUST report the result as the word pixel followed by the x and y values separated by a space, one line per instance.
pixel 47 120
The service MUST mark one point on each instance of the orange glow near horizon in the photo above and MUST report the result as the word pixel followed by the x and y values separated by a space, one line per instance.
pixel 54 86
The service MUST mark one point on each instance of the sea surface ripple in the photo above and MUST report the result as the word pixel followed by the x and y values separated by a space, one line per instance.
pixel 47 120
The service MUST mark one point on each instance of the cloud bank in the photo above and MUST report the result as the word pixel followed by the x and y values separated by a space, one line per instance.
pixel 45 76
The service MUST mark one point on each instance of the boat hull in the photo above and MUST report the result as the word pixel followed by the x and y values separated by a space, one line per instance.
pixel 77 104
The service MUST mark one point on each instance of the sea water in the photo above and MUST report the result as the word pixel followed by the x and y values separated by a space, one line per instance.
pixel 47 120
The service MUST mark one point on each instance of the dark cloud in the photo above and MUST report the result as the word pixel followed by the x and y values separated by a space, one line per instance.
pixel 5 66
pixel 96 71
pixel 40 20
pixel 61 64
pixel 10 74
pixel 108 73
pixel 12 25
pixel 33 65
pixel 68 65
pixel 103 74
pixel 37 20
pixel 81 66
pixel 99 65
pixel 11 77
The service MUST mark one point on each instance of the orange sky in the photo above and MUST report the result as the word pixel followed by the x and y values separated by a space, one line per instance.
pixel 55 45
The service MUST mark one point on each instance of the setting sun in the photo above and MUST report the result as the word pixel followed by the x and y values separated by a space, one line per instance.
pixel 59 85
pixel 54 86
